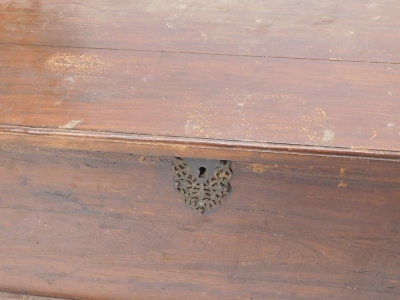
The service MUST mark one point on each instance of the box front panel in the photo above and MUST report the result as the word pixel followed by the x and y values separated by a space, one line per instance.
pixel 88 225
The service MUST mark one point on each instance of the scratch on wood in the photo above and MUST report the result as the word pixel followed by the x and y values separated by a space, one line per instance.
pixel 341 183
pixel 373 136
pixel 259 168
pixel 71 124
pixel 149 159
pixel 245 263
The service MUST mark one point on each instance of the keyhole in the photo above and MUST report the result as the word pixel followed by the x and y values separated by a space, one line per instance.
pixel 202 173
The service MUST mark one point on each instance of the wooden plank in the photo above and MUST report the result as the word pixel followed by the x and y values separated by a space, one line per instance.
pixel 202 96
pixel 101 226
pixel 327 29
pixel 8 296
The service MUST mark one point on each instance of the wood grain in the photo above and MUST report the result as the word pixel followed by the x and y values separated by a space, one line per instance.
pixel 98 96
pixel 311 229
pixel 325 29
pixel 300 102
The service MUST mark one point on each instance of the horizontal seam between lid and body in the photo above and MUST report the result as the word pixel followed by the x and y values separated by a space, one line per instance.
pixel 205 143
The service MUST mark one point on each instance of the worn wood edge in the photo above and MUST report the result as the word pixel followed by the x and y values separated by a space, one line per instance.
pixel 245 151
pixel 26 296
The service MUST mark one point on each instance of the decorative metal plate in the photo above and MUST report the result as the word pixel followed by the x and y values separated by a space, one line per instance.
pixel 202 183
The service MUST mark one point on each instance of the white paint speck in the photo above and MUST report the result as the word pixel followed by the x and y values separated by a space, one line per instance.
pixel 70 124
pixel 389 93
pixel 376 18
pixel 188 128
pixel 69 79
pixel 171 26
pixel 329 136
pixel 204 37
pixel 390 124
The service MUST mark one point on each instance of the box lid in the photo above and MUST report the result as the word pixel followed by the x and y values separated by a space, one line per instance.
pixel 240 75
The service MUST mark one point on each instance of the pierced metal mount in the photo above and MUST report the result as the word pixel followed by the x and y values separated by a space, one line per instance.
pixel 201 182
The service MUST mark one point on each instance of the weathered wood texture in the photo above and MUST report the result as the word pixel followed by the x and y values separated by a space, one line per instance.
pixel 337 104
pixel 101 65
pixel 318 29
pixel 97 96
pixel 87 225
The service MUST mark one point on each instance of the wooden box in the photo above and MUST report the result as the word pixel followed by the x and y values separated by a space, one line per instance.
pixel 282 122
